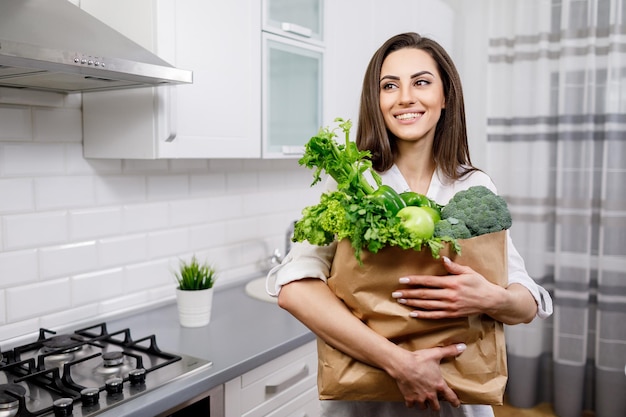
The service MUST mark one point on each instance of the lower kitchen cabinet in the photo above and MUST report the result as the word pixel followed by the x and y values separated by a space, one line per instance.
pixel 285 386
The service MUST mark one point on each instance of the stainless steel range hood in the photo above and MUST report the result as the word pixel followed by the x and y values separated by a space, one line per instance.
pixel 53 45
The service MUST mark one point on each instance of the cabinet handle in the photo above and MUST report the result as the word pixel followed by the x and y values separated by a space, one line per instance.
pixel 171 111
pixel 273 387
pixel 296 29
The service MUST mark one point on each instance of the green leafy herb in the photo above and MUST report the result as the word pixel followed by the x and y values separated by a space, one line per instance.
pixel 356 210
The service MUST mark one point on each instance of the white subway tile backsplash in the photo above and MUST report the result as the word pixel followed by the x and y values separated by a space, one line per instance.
pixel 102 285
pixel 38 299
pixel 224 208
pixel 126 303
pixel 188 212
pixel 34 229
pixel 64 192
pixel 207 236
pixel 68 316
pixel 16 124
pixel 3 309
pixel 145 217
pixel 32 159
pixel 242 181
pixel 57 124
pixel 161 187
pixel 62 260
pixel 18 268
pixel 14 330
pixel 101 237
pixel 94 223
pixel 241 230
pixel 168 243
pixel 78 165
pixel 123 250
pixel 144 276
pixel 34 98
pixel 211 184
pixel 117 189
pixel 16 195
pixel 189 165
pixel 145 166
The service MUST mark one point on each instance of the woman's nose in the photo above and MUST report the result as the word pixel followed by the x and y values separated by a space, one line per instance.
pixel 407 96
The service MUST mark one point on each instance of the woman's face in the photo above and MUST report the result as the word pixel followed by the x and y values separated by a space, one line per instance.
pixel 411 94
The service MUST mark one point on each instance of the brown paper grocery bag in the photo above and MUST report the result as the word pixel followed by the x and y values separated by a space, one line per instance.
pixel 478 375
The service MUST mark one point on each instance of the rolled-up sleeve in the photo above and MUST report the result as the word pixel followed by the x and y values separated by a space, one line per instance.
pixel 303 261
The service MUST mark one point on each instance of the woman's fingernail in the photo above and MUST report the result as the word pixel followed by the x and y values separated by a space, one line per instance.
pixel 403 280
pixel 446 259
pixel 413 314
pixel 461 347
pixel 396 294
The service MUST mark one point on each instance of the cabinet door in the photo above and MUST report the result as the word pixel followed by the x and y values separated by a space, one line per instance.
pixel 287 383
pixel 301 19
pixel 292 95
pixel 218 116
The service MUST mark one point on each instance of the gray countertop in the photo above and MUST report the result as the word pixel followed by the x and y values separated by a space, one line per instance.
pixel 243 334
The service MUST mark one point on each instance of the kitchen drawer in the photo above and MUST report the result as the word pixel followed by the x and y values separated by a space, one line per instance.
pixel 305 405
pixel 267 388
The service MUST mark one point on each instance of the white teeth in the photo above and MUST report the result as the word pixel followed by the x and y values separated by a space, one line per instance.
pixel 406 116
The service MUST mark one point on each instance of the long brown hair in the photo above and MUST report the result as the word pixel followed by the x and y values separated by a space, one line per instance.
pixel 450 147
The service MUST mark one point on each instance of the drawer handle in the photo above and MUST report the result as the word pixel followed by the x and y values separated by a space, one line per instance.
pixel 273 387
pixel 296 29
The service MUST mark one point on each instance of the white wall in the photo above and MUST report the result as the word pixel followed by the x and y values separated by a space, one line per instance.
pixel 98 237
pixel 89 238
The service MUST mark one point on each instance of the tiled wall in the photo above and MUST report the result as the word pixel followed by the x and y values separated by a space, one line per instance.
pixel 88 238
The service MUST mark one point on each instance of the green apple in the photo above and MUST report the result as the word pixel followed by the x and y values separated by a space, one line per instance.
pixel 434 213
pixel 418 221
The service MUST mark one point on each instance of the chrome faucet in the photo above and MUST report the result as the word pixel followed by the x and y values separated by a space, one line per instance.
pixel 289 236
pixel 277 257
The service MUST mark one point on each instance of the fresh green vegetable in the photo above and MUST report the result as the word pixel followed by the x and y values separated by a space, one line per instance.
pixel 389 198
pixel 480 209
pixel 452 227
pixel 365 214
pixel 417 221
pixel 412 198
pixel 346 164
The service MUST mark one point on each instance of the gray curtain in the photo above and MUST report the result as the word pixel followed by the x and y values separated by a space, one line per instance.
pixel 557 152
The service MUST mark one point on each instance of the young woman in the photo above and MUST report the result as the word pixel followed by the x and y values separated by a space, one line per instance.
pixel 412 119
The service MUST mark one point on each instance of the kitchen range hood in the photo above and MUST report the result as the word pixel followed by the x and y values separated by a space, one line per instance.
pixel 53 45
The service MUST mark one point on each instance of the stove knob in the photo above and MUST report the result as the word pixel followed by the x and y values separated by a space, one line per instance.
pixel 89 396
pixel 114 385
pixel 63 407
pixel 137 376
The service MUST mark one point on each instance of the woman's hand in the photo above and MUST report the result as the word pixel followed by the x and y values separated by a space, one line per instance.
pixel 419 377
pixel 465 292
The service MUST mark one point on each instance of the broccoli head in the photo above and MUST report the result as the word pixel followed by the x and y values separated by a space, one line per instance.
pixel 452 227
pixel 480 209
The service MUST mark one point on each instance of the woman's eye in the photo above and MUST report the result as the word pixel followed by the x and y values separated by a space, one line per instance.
pixel 388 86
pixel 421 82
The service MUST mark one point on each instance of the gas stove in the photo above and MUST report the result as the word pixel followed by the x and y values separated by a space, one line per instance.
pixel 85 373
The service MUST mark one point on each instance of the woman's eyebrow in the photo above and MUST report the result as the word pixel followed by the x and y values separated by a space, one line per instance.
pixel 417 74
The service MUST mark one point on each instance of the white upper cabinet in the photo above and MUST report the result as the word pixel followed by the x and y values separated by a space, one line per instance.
pixel 300 19
pixel 293 75
pixel 218 116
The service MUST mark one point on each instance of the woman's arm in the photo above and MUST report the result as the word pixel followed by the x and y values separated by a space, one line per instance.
pixel 417 373
pixel 465 292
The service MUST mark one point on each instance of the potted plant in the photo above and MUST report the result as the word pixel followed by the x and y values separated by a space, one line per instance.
pixel 194 294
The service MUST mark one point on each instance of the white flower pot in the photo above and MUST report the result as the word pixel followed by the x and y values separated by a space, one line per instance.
pixel 194 307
